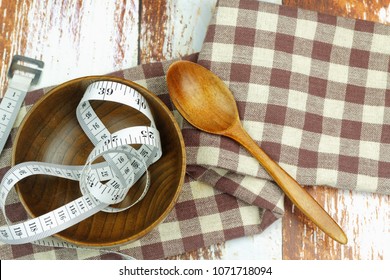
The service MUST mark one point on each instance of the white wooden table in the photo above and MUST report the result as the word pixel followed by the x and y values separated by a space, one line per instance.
pixel 79 38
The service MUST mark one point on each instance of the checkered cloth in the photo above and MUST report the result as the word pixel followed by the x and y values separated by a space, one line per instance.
pixel 311 89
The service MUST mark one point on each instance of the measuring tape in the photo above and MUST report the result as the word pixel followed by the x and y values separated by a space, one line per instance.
pixel 22 77
pixel 123 166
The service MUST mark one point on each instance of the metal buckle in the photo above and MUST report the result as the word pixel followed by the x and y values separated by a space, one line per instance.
pixel 35 71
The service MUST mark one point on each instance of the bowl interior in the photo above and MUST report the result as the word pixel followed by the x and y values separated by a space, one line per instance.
pixel 51 133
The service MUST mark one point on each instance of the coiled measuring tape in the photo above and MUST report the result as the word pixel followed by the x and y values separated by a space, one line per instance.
pixel 123 166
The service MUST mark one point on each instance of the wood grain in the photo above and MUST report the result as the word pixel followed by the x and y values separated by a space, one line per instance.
pixel 51 133
pixel 63 34
pixel 13 22
pixel 364 216
pixel 205 101
pixel 373 10
pixel 162 39
pixel 172 28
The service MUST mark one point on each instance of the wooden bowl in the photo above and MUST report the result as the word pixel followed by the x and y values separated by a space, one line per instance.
pixel 50 133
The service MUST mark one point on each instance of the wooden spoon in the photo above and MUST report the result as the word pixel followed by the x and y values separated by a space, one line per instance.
pixel 207 103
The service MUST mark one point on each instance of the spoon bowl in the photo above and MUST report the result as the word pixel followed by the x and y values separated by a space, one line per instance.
pixel 214 112
pixel 207 103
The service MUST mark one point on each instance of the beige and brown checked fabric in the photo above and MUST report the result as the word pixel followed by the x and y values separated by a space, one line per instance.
pixel 202 216
pixel 311 90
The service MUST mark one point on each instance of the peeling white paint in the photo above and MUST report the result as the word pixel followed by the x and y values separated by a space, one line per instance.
pixel 82 41
pixel 77 43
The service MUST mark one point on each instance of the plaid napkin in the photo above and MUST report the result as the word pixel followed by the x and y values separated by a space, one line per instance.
pixel 311 90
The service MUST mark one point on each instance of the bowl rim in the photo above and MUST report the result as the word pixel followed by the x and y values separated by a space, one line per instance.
pixel 143 91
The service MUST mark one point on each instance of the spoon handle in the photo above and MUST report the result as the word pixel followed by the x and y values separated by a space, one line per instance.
pixel 295 192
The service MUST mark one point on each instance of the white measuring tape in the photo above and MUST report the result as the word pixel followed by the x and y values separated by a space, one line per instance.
pixel 123 166
pixel 16 92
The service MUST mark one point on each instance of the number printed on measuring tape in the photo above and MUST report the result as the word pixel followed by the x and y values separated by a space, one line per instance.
pixel 123 167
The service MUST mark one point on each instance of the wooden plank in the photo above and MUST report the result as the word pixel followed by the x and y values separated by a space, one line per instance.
pixel 373 10
pixel 167 31
pixel 365 217
pixel 13 21
pixel 173 28
pixel 73 38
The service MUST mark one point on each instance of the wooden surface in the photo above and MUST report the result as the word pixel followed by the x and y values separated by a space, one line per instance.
pixel 78 38
pixel 365 217
pixel 373 10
